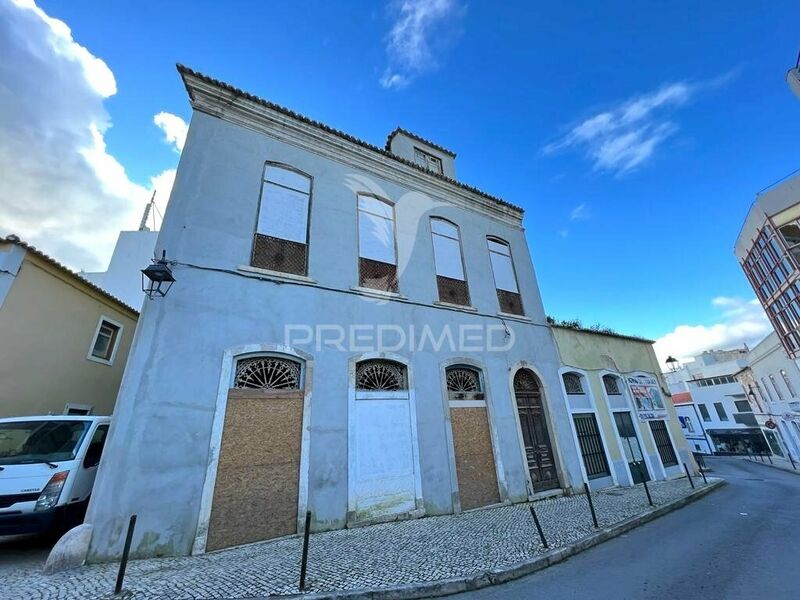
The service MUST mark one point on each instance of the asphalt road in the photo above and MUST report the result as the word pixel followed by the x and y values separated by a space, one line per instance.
pixel 741 541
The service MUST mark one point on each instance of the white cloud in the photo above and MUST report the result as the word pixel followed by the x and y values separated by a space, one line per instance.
pixel 580 212
pixel 408 44
pixel 624 137
pixel 739 322
pixel 60 189
pixel 174 128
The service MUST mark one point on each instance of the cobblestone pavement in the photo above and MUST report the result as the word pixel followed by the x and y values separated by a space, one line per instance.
pixel 419 550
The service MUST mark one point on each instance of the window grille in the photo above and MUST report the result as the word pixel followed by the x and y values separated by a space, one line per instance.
pixel 464 383
pixel 591 445
pixel 380 375
pixel 661 437
pixel 267 373
pixel 281 238
pixel 573 383
pixel 611 384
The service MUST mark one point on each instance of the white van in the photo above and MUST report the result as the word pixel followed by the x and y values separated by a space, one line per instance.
pixel 47 470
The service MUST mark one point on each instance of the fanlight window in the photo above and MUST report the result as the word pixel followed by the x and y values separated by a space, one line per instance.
pixel 573 383
pixel 464 383
pixel 526 381
pixel 267 373
pixel 380 376
pixel 611 384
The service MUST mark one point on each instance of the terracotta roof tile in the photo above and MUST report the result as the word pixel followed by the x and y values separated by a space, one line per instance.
pixel 13 239
pixel 184 70
pixel 414 136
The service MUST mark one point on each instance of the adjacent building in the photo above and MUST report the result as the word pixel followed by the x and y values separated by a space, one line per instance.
pixel 353 332
pixel 712 406
pixel 63 341
pixel 772 381
pixel 624 423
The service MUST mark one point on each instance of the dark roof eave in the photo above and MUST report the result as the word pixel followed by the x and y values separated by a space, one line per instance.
pixel 184 71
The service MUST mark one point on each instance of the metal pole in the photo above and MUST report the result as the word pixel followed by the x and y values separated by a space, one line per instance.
pixel 689 475
pixel 705 481
pixel 304 560
pixel 769 456
pixel 126 549
pixel 644 482
pixel 539 528
pixel 791 460
pixel 591 505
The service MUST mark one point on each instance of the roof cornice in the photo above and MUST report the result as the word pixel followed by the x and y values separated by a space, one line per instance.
pixel 231 104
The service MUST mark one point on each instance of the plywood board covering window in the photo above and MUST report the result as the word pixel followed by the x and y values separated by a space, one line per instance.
pixel 281 238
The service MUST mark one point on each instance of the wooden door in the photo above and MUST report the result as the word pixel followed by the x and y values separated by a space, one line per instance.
pixel 535 436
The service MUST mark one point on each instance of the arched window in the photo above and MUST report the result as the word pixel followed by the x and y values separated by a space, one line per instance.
pixel 611 384
pixel 381 375
pixel 268 373
pixel 377 256
pixel 505 278
pixel 450 278
pixel 573 383
pixel 281 238
pixel 464 383
pixel 526 381
pixel 788 383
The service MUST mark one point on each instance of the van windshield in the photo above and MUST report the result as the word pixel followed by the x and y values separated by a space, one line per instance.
pixel 40 441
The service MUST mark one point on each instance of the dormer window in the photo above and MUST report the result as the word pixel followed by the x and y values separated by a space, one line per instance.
pixel 428 161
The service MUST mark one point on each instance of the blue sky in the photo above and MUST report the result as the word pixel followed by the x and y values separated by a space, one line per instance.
pixel 635 135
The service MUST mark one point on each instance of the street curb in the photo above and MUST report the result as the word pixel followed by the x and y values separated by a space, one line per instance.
pixel 778 467
pixel 445 587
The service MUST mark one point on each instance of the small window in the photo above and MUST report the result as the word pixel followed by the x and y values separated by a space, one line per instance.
pixel 95 450
pixel 105 341
pixel 464 383
pixel 281 239
pixel 505 278
pixel 611 384
pixel 790 234
pixel 428 161
pixel 723 416
pixel 78 409
pixel 788 383
pixel 776 388
pixel 704 412
pixel 573 383
pixel 377 257
pixel 450 278
pixel 743 406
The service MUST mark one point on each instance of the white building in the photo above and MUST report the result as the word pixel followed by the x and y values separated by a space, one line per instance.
pixel 712 405
pixel 772 381
pixel 123 279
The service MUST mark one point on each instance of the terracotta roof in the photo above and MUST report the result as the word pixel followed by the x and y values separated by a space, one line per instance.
pixel 184 70
pixel 13 239
pixel 414 136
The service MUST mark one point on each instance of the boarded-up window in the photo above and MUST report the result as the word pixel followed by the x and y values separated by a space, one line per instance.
pixel 450 279
pixel 281 239
pixel 505 279
pixel 377 258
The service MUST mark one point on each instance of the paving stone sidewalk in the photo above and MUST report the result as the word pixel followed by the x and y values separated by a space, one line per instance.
pixel 406 552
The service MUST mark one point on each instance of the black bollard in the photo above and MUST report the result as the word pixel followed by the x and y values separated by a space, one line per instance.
pixel 126 549
pixel 705 481
pixel 689 475
pixel 539 528
pixel 791 460
pixel 591 505
pixel 304 560
pixel 769 456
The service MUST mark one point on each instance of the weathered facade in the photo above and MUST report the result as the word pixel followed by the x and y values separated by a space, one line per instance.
pixel 621 442
pixel 63 341
pixel 352 332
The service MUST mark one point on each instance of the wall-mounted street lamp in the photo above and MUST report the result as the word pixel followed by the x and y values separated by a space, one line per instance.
pixel 673 364
pixel 157 278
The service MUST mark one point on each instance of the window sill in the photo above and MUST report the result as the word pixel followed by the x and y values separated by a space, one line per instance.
pixel 521 318
pixel 463 307
pixel 378 293
pixel 277 274
pixel 103 361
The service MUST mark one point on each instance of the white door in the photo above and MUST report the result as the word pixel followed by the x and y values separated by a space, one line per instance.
pixel 383 460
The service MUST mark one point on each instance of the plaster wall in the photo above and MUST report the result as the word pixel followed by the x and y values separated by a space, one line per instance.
pixel 157 454
pixel 47 327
